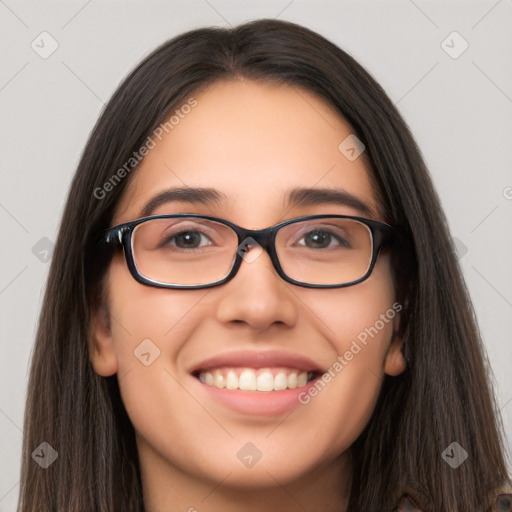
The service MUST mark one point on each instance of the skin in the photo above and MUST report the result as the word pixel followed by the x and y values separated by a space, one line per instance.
pixel 253 142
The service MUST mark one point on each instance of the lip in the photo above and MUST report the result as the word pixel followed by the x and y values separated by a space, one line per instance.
pixel 259 359
pixel 256 403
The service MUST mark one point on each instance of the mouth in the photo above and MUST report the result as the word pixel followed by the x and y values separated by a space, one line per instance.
pixel 256 383
pixel 255 379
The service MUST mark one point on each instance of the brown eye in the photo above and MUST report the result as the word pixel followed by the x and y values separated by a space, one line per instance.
pixel 187 239
pixel 322 239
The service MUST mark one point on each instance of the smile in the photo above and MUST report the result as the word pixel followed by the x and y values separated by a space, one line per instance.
pixel 251 379
pixel 256 383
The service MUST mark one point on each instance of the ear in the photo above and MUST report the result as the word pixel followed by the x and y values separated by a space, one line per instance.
pixel 102 352
pixel 395 363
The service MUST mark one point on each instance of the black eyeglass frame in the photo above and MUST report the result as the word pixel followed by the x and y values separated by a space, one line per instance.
pixel 121 236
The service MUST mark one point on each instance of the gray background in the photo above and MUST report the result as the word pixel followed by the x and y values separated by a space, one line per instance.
pixel 459 110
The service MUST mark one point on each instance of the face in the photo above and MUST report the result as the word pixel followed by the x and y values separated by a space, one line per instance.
pixel 254 143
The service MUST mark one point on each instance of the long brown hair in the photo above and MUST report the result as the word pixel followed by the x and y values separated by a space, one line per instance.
pixel 443 397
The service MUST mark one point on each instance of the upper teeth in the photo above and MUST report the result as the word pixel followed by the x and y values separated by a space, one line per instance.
pixel 248 379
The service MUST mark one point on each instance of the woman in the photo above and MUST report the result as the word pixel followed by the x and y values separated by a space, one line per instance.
pixel 254 302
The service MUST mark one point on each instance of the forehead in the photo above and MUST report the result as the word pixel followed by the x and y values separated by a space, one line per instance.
pixel 254 142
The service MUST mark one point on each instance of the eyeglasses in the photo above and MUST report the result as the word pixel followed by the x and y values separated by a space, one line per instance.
pixel 188 251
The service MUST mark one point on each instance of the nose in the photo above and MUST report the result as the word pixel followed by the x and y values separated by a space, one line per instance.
pixel 257 295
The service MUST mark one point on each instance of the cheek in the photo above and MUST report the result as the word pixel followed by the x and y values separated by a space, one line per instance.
pixel 148 319
pixel 358 322
pixel 363 314
pixel 149 328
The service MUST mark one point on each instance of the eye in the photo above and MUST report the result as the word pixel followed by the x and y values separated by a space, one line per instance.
pixel 322 239
pixel 190 239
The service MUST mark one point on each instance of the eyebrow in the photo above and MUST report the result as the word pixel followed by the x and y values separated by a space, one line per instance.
pixel 298 196
pixel 208 196
pixel 315 196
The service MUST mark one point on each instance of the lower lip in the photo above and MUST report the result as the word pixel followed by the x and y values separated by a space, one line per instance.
pixel 257 403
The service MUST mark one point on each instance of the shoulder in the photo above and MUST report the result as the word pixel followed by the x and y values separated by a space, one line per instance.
pixel 501 503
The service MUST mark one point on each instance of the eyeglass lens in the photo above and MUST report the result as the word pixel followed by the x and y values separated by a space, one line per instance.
pixel 192 251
